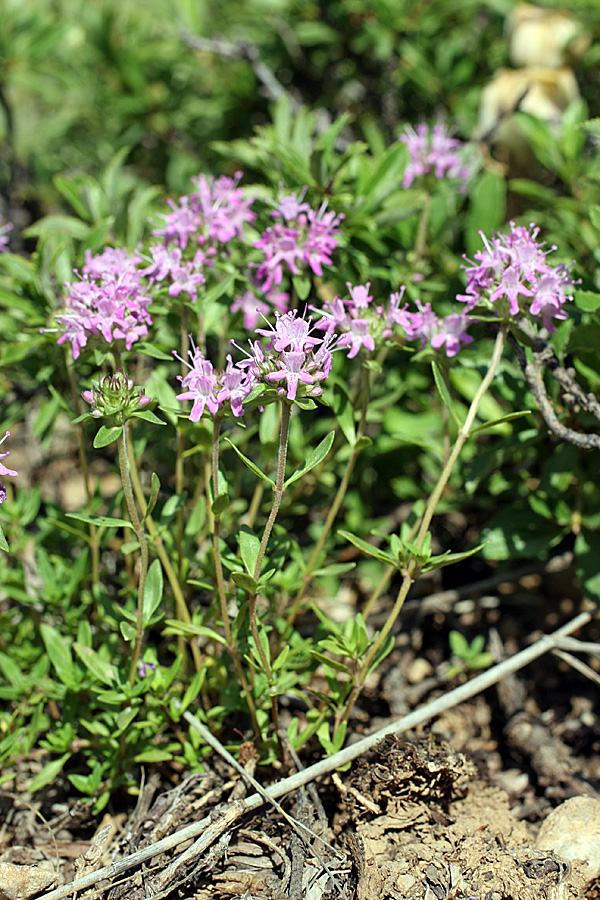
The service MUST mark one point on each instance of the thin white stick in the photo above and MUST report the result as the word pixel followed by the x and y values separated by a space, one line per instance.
pixel 447 701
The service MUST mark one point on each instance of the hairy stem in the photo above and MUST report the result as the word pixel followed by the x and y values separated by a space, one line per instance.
pixel 286 409
pixel 221 581
pixel 141 536
pixel 181 606
pixel 334 508
pixel 94 543
pixel 412 569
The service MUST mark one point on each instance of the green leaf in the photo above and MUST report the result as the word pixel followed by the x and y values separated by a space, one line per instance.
pixel 486 209
pixel 510 417
pixel 245 582
pixel 48 773
pixel 100 669
pixel 444 393
pixel 107 435
pixel 174 626
pixel 58 649
pixel 148 416
pixel 3 541
pixel 154 489
pixel 369 549
pixel 328 661
pixel 128 631
pixel 313 459
pixel 193 690
pixel 281 659
pixel 249 548
pixel 248 462
pixel 588 301
pixel 220 504
pixel 153 756
pixel 104 521
pixel 153 591
pixel 459 645
pixel 448 559
pixel 126 717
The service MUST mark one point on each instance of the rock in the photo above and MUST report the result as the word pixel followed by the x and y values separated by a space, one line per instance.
pixel 572 831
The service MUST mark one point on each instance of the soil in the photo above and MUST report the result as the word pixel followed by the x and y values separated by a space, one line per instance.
pixel 451 810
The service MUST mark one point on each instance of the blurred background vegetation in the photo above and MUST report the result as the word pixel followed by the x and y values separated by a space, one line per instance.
pixel 81 80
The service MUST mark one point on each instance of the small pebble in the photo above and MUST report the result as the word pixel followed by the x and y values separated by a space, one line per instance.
pixel 419 670
pixel 572 831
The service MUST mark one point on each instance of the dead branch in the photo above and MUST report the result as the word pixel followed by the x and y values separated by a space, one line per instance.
pixel 543 356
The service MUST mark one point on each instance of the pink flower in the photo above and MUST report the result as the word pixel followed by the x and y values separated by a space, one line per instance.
pixel 438 331
pixel 514 267
pixel 4 230
pixel 306 237
pixel 433 151
pixel 211 390
pixel 4 470
pixel 294 355
pixel 112 307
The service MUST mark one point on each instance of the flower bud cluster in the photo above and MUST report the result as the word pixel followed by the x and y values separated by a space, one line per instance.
pixel 116 397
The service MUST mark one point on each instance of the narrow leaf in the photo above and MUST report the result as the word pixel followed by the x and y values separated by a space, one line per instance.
pixel 100 669
pixel 252 466
pixel 444 393
pixel 105 521
pixel 154 489
pixel 313 459
pixel 369 549
pixel 507 418
pixel 48 773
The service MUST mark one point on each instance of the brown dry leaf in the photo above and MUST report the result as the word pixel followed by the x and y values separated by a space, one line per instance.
pixel 23 882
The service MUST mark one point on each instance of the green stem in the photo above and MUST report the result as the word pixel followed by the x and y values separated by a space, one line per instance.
pixel 221 582
pixel 94 543
pixel 421 239
pixel 286 409
pixel 139 532
pixel 182 610
pixel 284 433
pixel 179 473
pixel 333 510
pixel 412 569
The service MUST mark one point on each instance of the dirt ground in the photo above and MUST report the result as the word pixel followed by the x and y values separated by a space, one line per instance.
pixel 452 810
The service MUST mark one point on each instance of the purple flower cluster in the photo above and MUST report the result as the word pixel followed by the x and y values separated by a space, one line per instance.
pixel 4 470
pixel 254 307
pixel 4 229
pixel 363 324
pixel 295 360
pixel 512 272
pixel 211 390
pixel 106 301
pixel 294 355
pixel 214 213
pixel 167 264
pixel 199 225
pixel 433 151
pixel 439 331
pixel 304 237
pixel 360 323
